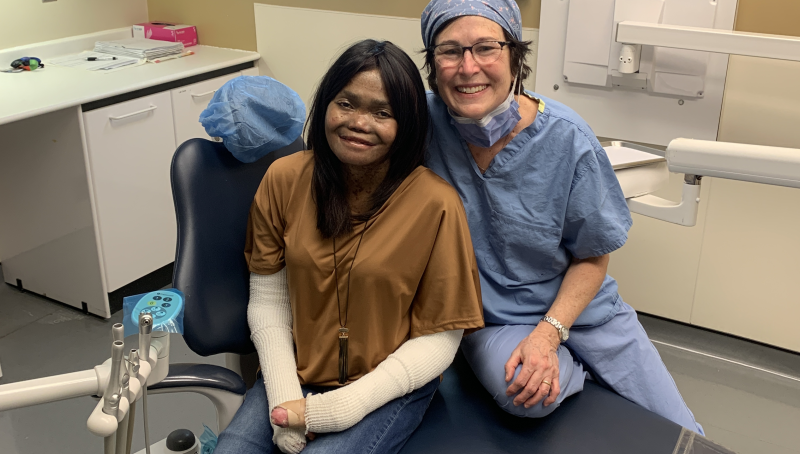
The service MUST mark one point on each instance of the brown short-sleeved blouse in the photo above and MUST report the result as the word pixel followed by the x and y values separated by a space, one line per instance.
pixel 415 272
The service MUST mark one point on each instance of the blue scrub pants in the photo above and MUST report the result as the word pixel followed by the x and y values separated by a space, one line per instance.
pixel 618 354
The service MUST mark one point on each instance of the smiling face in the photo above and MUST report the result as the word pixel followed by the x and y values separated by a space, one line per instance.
pixel 359 122
pixel 469 89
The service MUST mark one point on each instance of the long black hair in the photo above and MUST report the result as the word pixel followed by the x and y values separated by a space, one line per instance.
pixel 406 92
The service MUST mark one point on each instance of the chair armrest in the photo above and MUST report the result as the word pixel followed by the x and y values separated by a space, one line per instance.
pixel 185 375
pixel 223 387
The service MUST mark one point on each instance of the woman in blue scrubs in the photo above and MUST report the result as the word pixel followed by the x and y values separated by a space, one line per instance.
pixel 544 210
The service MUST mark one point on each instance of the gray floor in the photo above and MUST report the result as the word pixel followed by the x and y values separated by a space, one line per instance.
pixel 753 409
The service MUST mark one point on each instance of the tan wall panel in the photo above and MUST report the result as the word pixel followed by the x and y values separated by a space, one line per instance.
pixel 231 23
pixel 762 103
pixel 31 21
pixel 776 17
pixel 749 264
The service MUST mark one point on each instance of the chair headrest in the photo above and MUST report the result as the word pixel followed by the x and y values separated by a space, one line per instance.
pixel 254 115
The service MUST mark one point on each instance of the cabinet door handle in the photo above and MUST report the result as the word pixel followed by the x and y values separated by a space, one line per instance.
pixel 204 94
pixel 149 109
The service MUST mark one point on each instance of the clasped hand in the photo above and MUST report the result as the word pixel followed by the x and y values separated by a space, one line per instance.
pixel 291 415
pixel 537 355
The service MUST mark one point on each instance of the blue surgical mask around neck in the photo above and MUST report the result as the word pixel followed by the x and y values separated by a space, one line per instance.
pixel 486 131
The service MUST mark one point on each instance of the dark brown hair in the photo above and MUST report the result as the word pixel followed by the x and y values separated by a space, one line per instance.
pixel 519 54
pixel 406 93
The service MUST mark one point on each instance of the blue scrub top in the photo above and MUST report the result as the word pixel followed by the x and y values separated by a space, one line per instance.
pixel 549 195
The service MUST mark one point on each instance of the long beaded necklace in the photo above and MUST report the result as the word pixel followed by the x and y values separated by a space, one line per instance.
pixel 344 332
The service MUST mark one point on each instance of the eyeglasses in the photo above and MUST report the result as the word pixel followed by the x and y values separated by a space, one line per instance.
pixel 484 52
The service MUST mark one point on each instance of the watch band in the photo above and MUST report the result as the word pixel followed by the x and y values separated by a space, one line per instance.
pixel 563 332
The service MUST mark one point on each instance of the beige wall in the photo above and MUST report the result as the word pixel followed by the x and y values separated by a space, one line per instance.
pixel 32 21
pixel 777 17
pixel 231 23
pixel 749 267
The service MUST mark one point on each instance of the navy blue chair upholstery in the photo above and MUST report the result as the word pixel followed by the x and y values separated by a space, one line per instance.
pixel 213 192
pixel 463 418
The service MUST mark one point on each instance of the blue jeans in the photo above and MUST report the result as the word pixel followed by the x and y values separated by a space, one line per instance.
pixel 383 431
pixel 617 353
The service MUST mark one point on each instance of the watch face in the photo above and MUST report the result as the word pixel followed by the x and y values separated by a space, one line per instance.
pixel 564 335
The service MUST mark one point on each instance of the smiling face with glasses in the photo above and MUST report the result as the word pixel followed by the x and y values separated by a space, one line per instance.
pixel 484 53
pixel 473 69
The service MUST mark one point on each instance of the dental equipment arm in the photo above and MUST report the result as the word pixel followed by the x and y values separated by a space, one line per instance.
pixel 105 380
pixel 779 47
pixel 735 161
pixel 633 35
pixel 91 382
pixel 732 161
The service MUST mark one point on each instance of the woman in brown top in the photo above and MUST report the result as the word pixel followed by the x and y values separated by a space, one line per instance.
pixel 363 277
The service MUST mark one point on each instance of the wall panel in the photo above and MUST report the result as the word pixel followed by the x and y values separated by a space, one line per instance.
pixel 749 266
pixel 776 17
pixel 231 23
pixel 657 268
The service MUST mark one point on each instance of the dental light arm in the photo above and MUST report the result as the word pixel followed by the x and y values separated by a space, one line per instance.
pixel 709 40
pixel 633 35
pixel 735 161
pixel 732 161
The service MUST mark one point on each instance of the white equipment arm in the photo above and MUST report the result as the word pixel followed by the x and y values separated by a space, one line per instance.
pixel 732 161
pixel 709 40
pixel 92 382
pixel 735 161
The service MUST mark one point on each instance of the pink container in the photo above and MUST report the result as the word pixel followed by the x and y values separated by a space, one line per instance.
pixel 187 34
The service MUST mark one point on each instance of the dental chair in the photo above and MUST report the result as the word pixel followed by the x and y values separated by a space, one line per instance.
pixel 213 192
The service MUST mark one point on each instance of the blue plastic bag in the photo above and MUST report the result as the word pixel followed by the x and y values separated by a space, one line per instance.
pixel 208 441
pixel 254 115
pixel 165 306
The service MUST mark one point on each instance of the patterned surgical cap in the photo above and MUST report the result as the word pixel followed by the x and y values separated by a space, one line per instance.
pixel 504 12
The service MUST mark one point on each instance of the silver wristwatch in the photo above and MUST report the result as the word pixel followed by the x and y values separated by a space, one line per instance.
pixel 563 331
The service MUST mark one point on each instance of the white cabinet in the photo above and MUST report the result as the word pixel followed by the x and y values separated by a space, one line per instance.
pixel 86 211
pixel 130 147
pixel 189 101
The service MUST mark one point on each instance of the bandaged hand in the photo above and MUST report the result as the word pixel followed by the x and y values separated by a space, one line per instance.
pixel 290 414
pixel 290 441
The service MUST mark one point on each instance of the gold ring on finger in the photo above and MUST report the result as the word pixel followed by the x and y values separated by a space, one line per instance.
pixel 545 382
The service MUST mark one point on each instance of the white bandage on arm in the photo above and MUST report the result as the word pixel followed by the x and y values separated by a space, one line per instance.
pixel 269 314
pixel 413 365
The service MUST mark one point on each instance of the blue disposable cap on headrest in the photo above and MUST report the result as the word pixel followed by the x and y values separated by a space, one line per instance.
pixel 254 115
